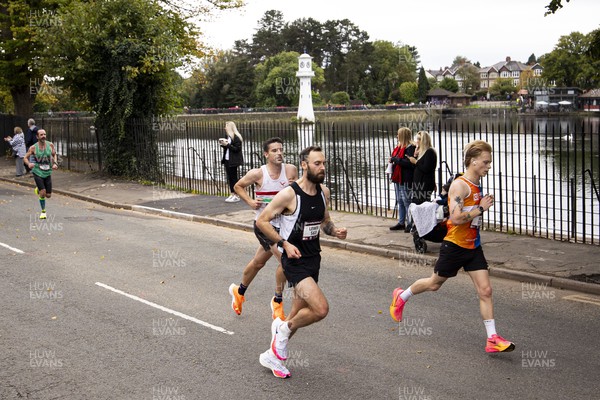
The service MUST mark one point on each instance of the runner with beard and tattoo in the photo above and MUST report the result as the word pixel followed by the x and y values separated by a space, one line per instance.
pixel 303 209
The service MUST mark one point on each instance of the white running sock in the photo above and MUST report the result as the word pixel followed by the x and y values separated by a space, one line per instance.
pixel 406 294
pixel 285 329
pixel 490 327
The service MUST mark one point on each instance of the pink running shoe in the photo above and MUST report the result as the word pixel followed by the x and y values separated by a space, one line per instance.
pixel 397 305
pixel 497 344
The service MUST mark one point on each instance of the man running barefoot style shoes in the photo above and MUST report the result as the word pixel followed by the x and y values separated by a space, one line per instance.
pixel 461 247
pixel 269 179
pixel 302 208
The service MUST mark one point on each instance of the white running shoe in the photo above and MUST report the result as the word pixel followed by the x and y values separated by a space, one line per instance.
pixel 235 198
pixel 268 360
pixel 279 339
pixel 229 199
pixel 43 215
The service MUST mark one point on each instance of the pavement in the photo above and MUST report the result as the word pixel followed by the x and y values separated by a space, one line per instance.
pixel 549 263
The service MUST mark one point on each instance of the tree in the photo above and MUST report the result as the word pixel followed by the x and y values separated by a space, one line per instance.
pixel 423 86
pixel 20 46
pixel 449 84
pixel 460 61
pixel 121 56
pixel 409 92
pixel 501 87
pixel 268 39
pixel 470 77
pixel 531 60
pixel 340 98
pixel 554 6
pixel 571 62
pixel 227 82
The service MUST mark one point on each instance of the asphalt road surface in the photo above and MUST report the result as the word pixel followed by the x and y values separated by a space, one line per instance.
pixel 110 304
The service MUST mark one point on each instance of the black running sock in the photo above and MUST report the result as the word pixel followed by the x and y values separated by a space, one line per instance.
pixel 242 289
pixel 278 298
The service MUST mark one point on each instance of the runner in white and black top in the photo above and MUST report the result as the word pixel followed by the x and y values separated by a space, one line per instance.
pixel 302 208
pixel 269 179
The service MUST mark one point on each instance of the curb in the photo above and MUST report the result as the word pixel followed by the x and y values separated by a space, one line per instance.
pixel 405 254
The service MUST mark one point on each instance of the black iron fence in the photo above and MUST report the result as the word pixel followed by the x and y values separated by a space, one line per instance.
pixel 545 174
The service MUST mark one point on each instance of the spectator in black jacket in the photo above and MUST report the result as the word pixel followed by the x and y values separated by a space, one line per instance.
pixel 425 162
pixel 232 157
pixel 30 137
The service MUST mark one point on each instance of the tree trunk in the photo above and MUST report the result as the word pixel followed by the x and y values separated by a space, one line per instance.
pixel 23 100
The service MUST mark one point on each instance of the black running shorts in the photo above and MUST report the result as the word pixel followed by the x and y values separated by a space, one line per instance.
pixel 264 241
pixel 43 183
pixel 297 269
pixel 453 257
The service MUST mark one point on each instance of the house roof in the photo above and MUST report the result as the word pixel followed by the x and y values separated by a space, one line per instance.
pixel 459 95
pixel 591 94
pixel 439 92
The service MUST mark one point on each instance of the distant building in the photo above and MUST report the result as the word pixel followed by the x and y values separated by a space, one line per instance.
pixel 590 100
pixel 507 69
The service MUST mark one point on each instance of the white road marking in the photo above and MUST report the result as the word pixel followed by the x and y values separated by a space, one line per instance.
pixel 165 309
pixel 12 248
pixel 583 299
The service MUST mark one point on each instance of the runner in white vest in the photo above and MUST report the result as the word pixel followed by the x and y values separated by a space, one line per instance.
pixel 269 180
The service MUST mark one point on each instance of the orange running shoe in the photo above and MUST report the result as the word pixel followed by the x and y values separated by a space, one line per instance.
pixel 497 344
pixel 277 309
pixel 397 305
pixel 236 299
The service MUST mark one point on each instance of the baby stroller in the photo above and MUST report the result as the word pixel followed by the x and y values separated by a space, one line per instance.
pixel 428 220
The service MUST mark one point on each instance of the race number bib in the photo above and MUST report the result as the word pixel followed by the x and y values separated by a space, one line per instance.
pixel 44 167
pixel 476 222
pixel 311 230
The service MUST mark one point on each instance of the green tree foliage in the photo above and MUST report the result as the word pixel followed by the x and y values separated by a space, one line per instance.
pixel 409 92
pixel 502 87
pixel 390 65
pixel 121 56
pixel 276 81
pixel 470 78
pixel 531 60
pixel 423 86
pixel 20 45
pixel 554 6
pixel 340 98
pixel 227 82
pixel 572 63
pixel 268 39
pixel 449 84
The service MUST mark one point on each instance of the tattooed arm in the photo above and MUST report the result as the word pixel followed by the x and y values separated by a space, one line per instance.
pixel 456 197
pixel 327 225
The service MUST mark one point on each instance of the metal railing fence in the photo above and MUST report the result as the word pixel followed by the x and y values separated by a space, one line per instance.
pixel 545 174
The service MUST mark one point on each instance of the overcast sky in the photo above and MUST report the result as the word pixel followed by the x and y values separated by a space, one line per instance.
pixel 479 30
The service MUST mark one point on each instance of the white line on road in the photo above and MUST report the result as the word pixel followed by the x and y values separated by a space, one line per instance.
pixel 177 313
pixel 12 248
pixel 583 299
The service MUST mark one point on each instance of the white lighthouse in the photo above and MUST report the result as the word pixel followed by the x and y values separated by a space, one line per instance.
pixel 305 73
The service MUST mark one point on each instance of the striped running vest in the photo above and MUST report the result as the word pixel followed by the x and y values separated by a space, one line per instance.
pixel 268 190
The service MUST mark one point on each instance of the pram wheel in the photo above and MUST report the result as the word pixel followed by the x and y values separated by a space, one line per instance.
pixel 420 244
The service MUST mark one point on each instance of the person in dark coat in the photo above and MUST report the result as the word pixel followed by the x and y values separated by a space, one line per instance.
pixel 30 137
pixel 425 162
pixel 232 157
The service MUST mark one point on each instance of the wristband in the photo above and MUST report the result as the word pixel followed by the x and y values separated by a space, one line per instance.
pixel 280 243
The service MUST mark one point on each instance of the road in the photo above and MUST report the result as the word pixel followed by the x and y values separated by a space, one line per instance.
pixel 113 304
